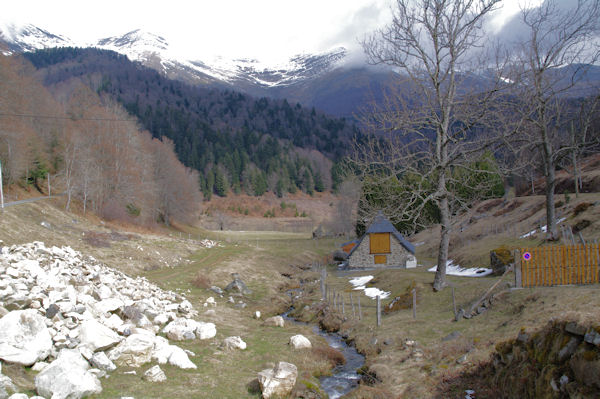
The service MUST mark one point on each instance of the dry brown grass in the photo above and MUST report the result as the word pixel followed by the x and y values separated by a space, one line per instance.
pixel 201 281
pixel 333 356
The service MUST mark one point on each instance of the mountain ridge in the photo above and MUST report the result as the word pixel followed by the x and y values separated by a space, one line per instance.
pixel 302 78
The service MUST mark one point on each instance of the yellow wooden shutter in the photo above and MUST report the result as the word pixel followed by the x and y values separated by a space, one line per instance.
pixel 380 243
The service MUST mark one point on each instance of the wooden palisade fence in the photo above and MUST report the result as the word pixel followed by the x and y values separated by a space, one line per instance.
pixel 557 265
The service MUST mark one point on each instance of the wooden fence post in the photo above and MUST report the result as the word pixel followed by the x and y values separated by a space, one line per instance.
pixel 359 310
pixel 343 302
pixel 453 302
pixel 334 300
pixel 378 311
pixel 518 276
pixel 323 277
pixel 414 294
pixel 353 311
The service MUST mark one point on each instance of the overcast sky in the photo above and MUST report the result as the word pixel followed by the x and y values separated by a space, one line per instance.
pixel 269 30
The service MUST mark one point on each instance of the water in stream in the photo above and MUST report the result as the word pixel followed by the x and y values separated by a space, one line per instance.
pixel 344 377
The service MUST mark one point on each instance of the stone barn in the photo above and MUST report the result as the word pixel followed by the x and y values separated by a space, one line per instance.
pixel 382 246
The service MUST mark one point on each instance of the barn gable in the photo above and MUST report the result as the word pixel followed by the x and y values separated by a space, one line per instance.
pixel 382 246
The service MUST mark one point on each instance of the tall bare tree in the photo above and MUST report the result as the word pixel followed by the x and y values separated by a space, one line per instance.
pixel 550 59
pixel 429 121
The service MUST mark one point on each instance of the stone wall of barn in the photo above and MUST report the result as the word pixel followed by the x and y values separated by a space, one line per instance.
pixel 362 257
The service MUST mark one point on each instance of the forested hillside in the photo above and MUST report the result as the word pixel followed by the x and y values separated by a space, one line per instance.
pixel 93 150
pixel 235 141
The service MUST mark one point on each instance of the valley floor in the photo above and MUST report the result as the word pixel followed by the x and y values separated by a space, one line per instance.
pixel 405 357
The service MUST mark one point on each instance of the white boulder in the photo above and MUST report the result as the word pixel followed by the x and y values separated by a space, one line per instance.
pixel 102 362
pixel 155 374
pixel 181 329
pixel 6 385
pixel 276 321
pixel 205 330
pixel 231 343
pixel 24 337
pixel 67 377
pixel 97 336
pixel 300 342
pixel 279 381
pixel 180 359
pixel 134 351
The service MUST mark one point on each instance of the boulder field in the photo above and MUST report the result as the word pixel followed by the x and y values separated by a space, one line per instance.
pixel 74 320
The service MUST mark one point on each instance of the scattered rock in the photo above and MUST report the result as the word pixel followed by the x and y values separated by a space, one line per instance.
pixel 276 321
pixel 300 342
pixel 500 259
pixel 24 337
pixel 279 381
pixel 216 290
pixel 257 314
pixel 39 366
pixel 211 301
pixel 134 351
pixel 155 374
pixel 102 362
pixel 205 330
pixel 237 285
pixel 97 336
pixel 52 311
pixel 67 377
pixel 575 328
pixel 453 335
pixel 181 329
pixel 6 386
pixel 592 337
pixel 231 343
pixel 179 358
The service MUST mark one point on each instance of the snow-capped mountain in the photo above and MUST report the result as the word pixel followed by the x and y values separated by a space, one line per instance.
pixel 310 79
pixel 154 51
pixel 21 38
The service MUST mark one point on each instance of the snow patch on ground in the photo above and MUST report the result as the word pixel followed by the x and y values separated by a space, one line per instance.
pixel 456 270
pixel 543 229
pixel 372 292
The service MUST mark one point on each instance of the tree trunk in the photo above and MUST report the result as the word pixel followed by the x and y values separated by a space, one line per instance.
pixel 439 281
pixel 576 176
pixel 551 229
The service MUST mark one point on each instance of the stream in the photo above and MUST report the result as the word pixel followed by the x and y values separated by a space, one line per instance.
pixel 344 377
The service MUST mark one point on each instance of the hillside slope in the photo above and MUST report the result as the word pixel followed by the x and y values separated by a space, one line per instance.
pixel 223 134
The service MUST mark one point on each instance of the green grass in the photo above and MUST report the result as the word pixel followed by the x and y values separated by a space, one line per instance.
pixel 229 374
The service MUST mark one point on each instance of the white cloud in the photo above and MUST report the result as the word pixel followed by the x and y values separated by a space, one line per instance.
pixel 273 29
pixel 270 30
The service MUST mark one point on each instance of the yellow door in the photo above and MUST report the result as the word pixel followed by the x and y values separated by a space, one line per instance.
pixel 380 259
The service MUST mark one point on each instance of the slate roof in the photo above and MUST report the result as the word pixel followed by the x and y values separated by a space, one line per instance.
pixel 381 224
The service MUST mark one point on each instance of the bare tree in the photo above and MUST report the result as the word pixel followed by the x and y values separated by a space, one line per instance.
pixel 581 139
pixel 549 65
pixel 346 207
pixel 430 120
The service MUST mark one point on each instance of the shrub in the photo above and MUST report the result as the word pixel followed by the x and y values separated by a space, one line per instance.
pixel 201 281
pixel 580 208
pixel 133 210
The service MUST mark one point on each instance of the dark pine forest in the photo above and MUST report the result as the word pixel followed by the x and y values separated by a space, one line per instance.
pixel 237 142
